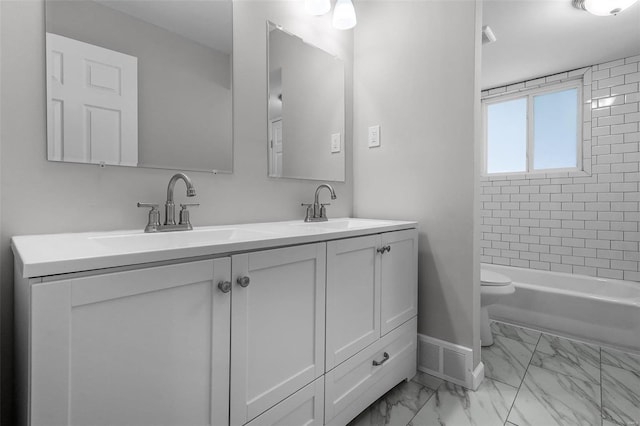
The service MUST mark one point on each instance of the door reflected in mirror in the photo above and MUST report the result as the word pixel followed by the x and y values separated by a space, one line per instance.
pixel 140 83
pixel 306 109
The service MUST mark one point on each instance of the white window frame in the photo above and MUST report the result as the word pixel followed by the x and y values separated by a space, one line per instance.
pixel 529 95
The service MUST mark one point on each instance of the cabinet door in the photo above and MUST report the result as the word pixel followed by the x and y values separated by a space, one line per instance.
pixel 399 271
pixel 353 297
pixel 143 347
pixel 277 326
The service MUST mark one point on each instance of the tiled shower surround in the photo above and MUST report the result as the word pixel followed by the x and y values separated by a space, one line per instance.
pixel 577 222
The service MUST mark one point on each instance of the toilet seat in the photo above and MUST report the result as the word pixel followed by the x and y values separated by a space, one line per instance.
pixel 490 278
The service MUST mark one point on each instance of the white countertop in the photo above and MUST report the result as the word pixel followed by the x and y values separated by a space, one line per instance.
pixel 53 254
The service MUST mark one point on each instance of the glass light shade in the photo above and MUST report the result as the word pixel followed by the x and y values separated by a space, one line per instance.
pixel 606 7
pixel 344 15
pixel 318 7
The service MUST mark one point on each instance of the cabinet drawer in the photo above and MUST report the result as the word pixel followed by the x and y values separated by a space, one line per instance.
pixel 303 408
pixel 356 383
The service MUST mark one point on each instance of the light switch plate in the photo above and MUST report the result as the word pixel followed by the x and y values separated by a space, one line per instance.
pixel 335 143
pixel 374 136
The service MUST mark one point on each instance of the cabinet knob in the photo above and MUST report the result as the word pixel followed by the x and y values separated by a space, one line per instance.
pixel 385 358
pixel 224 286
pixel 243 281
pixel 384 249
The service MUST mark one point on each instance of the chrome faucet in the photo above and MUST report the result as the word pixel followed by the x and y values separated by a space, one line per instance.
pixel 317 212
pixel 170 209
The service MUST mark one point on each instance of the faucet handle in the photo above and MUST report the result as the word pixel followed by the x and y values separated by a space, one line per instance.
pixel 150 205
pixel 309 214
pixel 184 214
pixel 323 209
pixel 154 217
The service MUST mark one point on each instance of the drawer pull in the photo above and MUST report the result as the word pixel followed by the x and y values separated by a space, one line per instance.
pixel 385 358
pixel 224 286
pixel 243 281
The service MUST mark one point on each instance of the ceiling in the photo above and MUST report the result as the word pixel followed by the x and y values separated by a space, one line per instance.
pixel 542 37
pixel 206 22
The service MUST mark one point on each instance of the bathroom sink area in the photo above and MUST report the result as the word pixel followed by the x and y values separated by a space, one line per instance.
pixel 139 241
pixel 343 224
pixel 42 255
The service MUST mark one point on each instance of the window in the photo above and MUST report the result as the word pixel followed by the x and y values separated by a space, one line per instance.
pixel 536 131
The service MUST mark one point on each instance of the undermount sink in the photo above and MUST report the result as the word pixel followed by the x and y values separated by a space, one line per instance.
pixel 341 224
pixel 164 240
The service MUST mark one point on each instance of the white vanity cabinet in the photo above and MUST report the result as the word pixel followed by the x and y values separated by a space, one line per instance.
pixel 376 274
pixel 353 297
pixel 142 347
pixel 399 279
pixel 372 297
pixel 305 330
pixel 277 326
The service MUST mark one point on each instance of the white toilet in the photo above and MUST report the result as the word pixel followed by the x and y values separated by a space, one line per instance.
pixel 493 286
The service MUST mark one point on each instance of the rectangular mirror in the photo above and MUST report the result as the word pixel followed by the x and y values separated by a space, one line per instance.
pixel 306 109
pixel 140 83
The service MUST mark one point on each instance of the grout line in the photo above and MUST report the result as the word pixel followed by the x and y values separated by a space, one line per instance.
pixel 522 381
pixel 563 336
pixel 586 380
pixel 426 402
pixel 504 383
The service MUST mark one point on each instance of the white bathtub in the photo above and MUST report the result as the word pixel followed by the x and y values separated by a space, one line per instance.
pixel 598 310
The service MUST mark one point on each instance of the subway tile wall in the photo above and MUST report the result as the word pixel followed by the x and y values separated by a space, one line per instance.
pixel 578 222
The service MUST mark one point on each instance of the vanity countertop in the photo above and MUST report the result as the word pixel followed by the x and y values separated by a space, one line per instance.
pixel 53 254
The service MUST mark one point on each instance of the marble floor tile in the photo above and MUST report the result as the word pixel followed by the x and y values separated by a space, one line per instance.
pixel 546 398
pixel 397 407
pixel 515 333
pixel 457 406
pixel 627 361
pixel 506 360
pixel 432 382
pixel 620 396
pixel 565 356
pixel 608 423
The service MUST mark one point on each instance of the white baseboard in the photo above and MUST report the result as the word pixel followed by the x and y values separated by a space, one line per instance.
pixel 448 361
pixel 477 376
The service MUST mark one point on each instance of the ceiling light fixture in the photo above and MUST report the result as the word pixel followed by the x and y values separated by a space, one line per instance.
pixel 603 7
pixel 344 14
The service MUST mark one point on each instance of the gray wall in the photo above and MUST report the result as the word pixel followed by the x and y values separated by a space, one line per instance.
pixel 422 96
pixel 184 101
pixel 45 197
